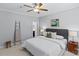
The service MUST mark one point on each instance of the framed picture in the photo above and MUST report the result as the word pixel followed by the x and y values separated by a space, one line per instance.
pixel 55 22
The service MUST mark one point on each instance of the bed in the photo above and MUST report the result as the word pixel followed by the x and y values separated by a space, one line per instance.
pixel 43 46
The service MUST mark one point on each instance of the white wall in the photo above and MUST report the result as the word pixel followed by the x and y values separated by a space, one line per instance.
pixel 7 23
pixel 68 19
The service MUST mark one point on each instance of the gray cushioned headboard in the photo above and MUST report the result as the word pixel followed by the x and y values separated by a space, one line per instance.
pixel 62 32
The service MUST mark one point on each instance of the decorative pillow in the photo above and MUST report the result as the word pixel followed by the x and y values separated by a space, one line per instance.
pixel 53 35
pixel 48 34
pixel 59 37
pixel 45 33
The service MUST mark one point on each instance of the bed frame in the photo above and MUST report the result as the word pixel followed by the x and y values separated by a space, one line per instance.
pixel 62 32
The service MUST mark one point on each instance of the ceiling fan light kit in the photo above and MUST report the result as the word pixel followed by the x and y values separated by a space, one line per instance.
pixel 36 10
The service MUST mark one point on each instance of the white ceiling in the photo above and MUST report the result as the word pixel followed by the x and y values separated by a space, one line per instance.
pixel 52 8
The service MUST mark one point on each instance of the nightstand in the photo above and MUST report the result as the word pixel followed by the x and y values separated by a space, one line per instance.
pixel 73 47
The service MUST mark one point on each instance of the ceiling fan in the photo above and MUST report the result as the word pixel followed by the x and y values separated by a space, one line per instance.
pixel 37 7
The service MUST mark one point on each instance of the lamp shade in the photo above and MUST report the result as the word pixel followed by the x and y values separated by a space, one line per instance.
pixel 72 33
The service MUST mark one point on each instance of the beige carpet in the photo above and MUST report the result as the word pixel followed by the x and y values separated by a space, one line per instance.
pixel 13 51
pixel 16 51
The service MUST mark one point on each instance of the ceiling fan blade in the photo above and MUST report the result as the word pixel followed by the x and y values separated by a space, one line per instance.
pixel 28 6
pixel 30 10
pixel 40 4
pixel 35 4
pixel 44 9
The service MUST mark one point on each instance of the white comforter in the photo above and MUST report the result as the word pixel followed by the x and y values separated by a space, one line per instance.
pixel 42 46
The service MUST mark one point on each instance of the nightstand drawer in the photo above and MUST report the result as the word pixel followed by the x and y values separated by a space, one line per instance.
pixel 72 47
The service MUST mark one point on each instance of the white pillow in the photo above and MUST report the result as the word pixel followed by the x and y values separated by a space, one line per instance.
pixel 59 37
pixel 45 33
pixel 53 35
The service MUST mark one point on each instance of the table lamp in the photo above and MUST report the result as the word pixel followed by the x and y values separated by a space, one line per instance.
pixel 73 35
pixel 42 30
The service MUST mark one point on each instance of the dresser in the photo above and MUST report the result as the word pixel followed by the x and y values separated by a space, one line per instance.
pixel 73 47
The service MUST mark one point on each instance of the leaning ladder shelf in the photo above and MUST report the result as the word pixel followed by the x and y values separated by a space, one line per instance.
pixel 17 33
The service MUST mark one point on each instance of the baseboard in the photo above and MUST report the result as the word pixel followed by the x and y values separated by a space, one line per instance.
pixel 12 44
pixel 1 46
